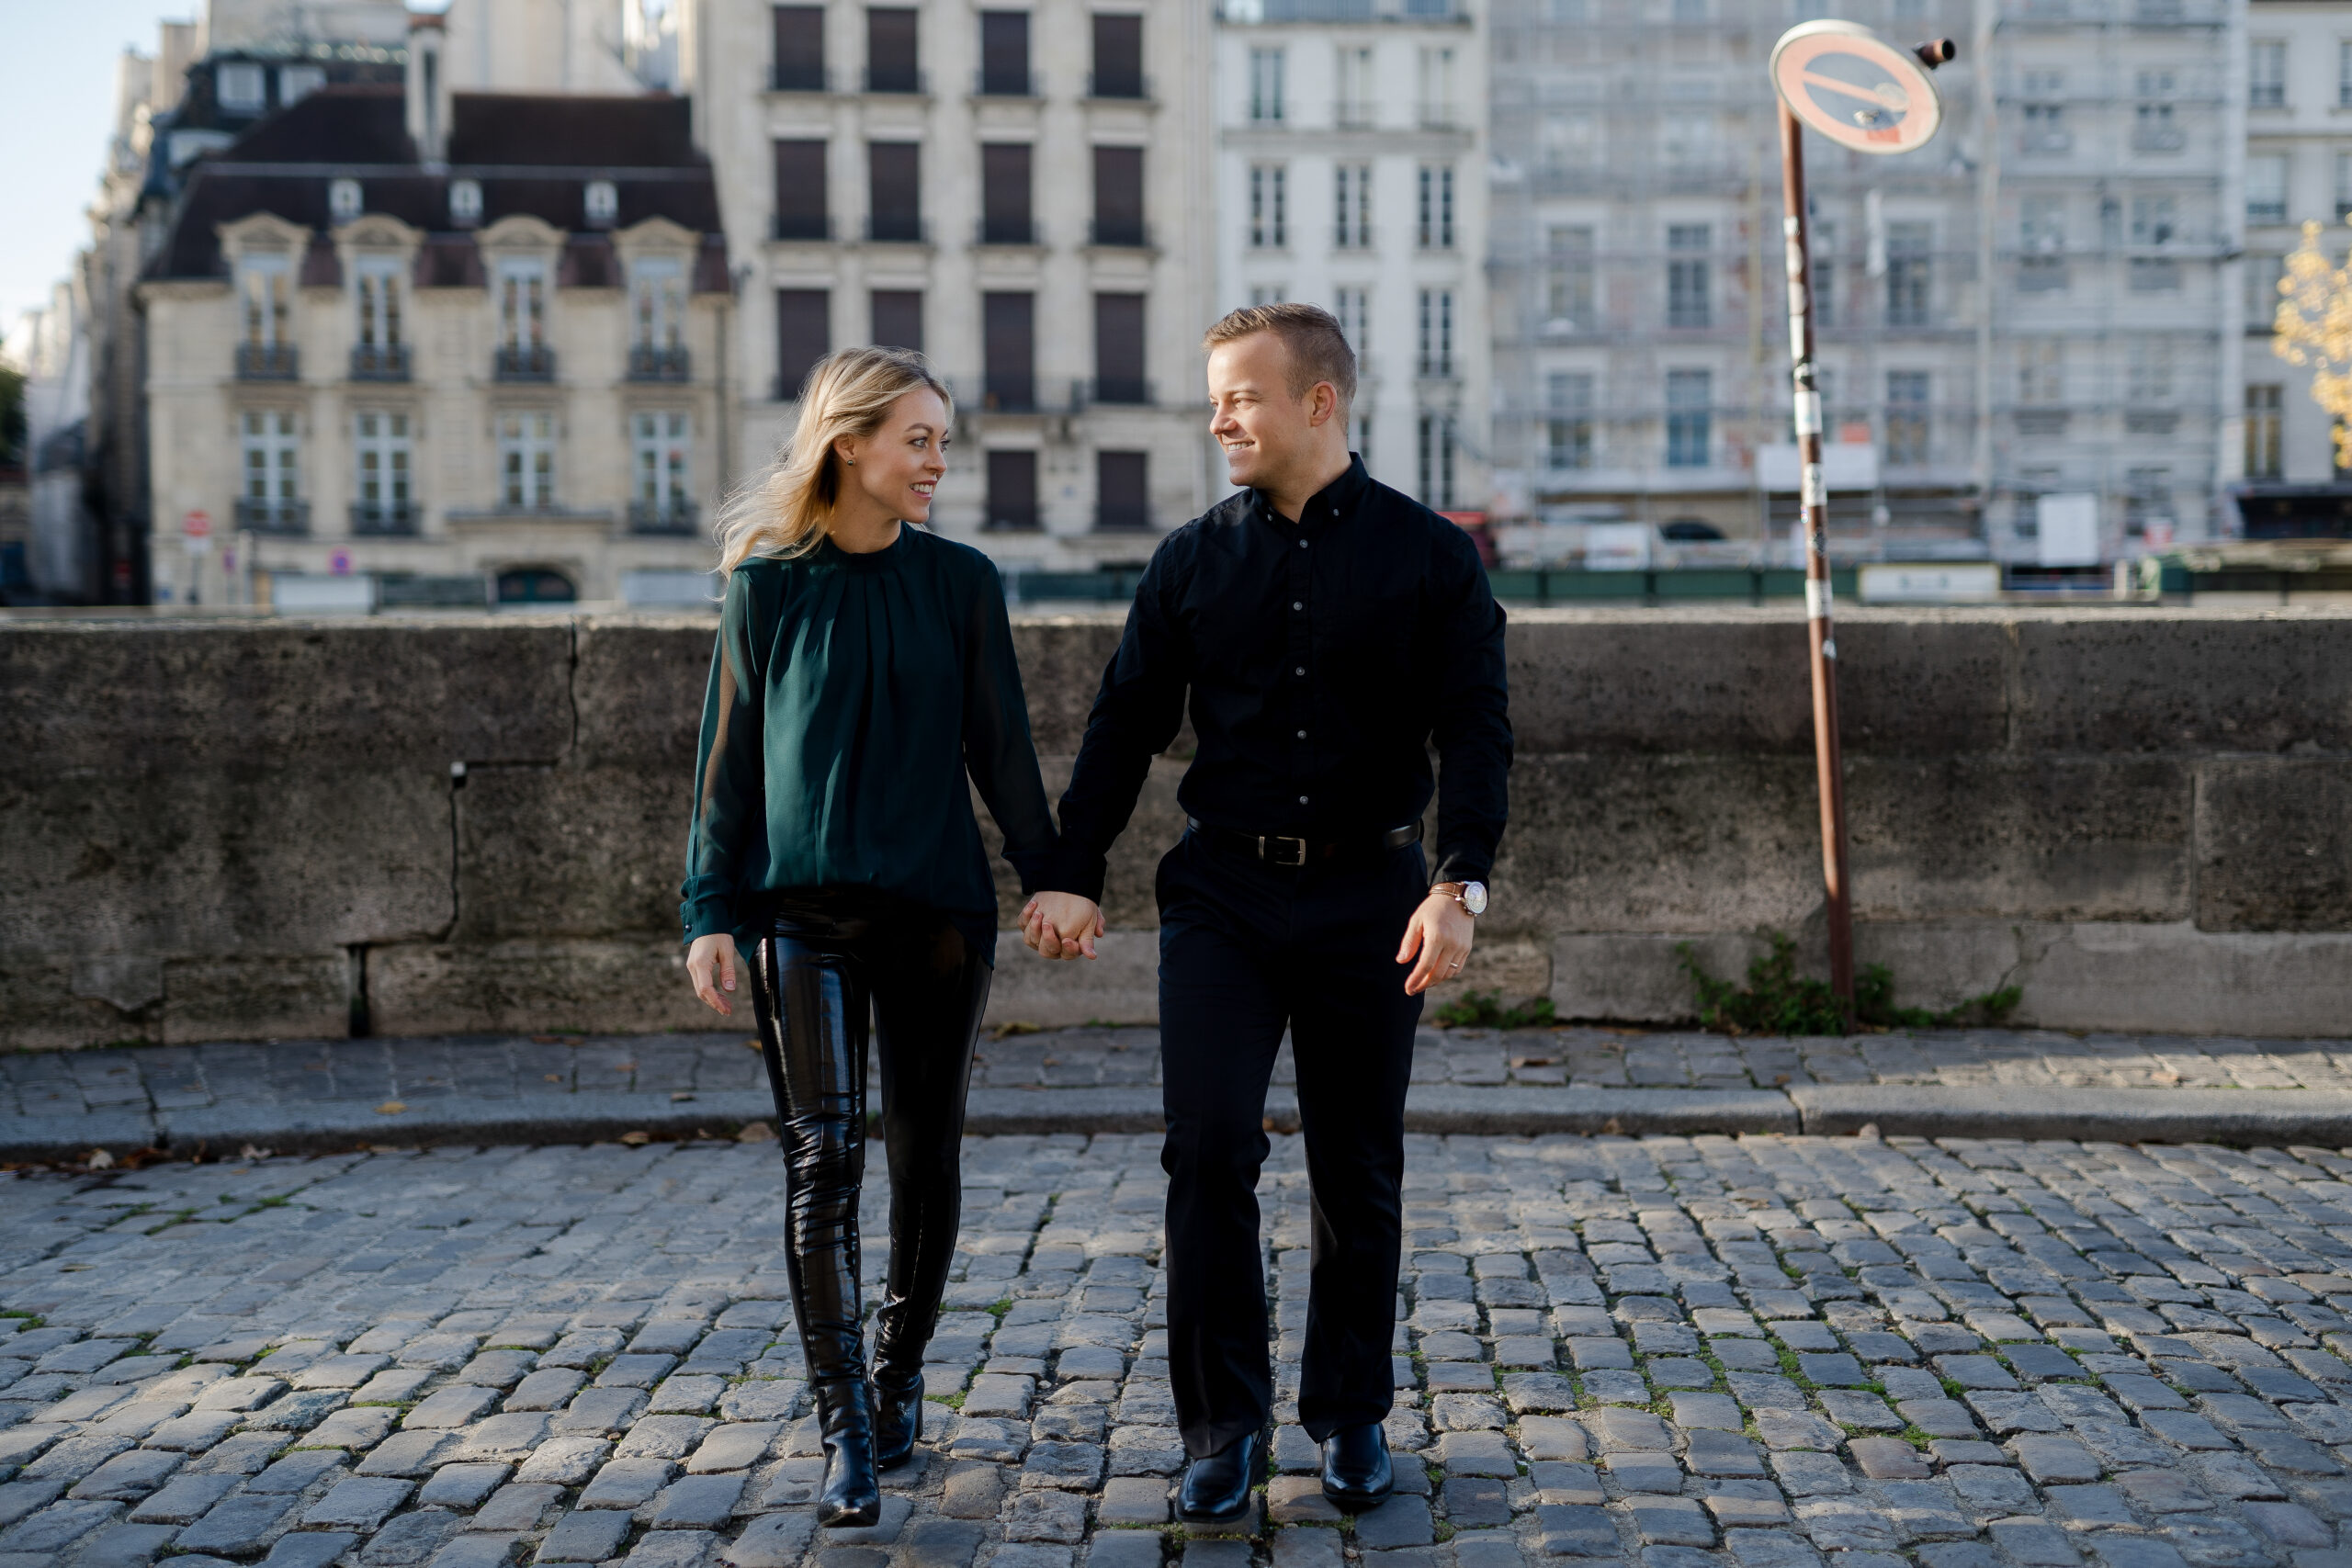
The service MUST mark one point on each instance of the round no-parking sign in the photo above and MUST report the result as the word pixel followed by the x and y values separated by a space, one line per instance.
pixel 1856 88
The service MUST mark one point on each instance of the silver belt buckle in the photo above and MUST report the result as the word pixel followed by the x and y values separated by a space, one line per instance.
pixel 1275 858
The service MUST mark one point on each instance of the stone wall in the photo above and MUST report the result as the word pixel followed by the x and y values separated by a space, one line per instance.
pixel 283 829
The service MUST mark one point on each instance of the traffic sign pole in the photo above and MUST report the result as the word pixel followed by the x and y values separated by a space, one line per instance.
pixel 1863 94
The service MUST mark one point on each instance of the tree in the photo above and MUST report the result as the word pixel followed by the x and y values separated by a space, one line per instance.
pixel 12 418
pixel 2313 327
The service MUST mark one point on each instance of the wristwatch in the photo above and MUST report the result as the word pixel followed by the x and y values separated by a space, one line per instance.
pixel 1471 895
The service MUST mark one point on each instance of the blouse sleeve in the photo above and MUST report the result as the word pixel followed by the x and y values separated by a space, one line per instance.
pixel 728 819
pixel 998 751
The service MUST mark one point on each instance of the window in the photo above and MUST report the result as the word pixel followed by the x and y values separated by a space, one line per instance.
pixel 1269 206
pixel 1351 206
pixel 2152 228
pixel 2343 75
pixel 800 35
pixel 2147 503
pixel 378 351
pixel 2042 371
pixel 890 61
pixel 898 318
pixel 520 289
pixel 1568 406
pixel 2148 381
pixel 2343 186
pixel 1119 349
pixel 1438 108
pixel 2264 401
pixel 1013 491
pixel 658 445
pixel 1123 491
pixel 1437 461
pixel 535 585
pixel 1266 86
pixel 1354 308
pixel 2267 73
pixel 2045 113
pixel 1437 333
pixel 527 460
pixel 263 284
pixel 1268 294
pixel 2153 130
pixel 894 190
pixel 803 337
pixel 1688 283
pixel 380 444
pixel 656 318
pixel 1356 105
pixel 1690 417
pixel 1907 417
pixel 296 83
pixel 242 87
pixel 1007 347
pixel 271 455
pixel 2265 188
pixel 1004 195
pixel 2263 275
pixel 602 204
pixel 1118 197
pixel 344 200
pixel 1568 278
pixel 2042 237
pixel 1004 54
pixel 465 203
pixel 1118 57
pixel 1907 258
pixel 1435 209
pixel 801 212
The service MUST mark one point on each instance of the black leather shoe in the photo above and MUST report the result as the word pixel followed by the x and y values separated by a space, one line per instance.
pixel 898 1419
pixel 851 1498
pixel 1356 1472
pixel 1216 1489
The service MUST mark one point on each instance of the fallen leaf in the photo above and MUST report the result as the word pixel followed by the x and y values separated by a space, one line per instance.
pixel 624 1066
pixel 751 1044
pixel 633 1139
pixel 553 1078
pixel 392 1108
pixel 2165 1076
pixel 1613 1127
pixel 249 1152
pixel 680 1096
pixel 755 1133
pixel 1518 1061
pixel 1867 1129
pixel 100 1160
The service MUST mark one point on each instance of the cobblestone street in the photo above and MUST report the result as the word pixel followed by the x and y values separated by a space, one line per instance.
pixel 1754 1352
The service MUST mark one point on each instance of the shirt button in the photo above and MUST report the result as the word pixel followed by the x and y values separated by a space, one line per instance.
pixel 1302 800
pixel 1302 544
pixel 1300 670
pixel 1296 605
pixel 1301 735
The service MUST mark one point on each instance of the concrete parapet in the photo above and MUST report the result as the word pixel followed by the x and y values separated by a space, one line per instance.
pixel 276 828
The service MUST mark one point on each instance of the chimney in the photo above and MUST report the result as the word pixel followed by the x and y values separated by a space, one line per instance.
pixel 428 88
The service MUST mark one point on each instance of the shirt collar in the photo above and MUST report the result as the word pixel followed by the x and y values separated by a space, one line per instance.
pixel 1333 501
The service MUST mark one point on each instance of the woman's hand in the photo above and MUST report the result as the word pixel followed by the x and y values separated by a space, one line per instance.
pixel 1439 934
pixel 1061 925
pixel 712 965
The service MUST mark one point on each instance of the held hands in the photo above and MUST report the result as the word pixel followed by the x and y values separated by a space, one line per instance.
pixel 1440 933
pixel 1061 925
pixel 712 964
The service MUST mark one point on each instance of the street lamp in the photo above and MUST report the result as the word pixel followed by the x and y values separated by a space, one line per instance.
pixel 1867 95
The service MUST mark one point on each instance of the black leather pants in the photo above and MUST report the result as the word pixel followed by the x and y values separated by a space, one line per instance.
pixel 835 954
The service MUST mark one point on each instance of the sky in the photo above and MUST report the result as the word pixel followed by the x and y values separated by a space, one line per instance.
pixel 56 112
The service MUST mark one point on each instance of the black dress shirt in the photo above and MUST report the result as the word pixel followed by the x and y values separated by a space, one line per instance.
pixel 1322 657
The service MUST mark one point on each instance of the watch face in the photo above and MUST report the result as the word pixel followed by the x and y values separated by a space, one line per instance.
pixel 1474 898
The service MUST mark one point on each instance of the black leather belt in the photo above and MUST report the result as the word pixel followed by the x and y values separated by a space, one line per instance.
pixel 1275 849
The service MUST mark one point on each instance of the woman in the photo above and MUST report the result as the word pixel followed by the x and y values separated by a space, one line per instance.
pixel 863 667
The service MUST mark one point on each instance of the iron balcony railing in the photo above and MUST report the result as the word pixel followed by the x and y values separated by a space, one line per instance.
pixel 1016 517
pixel 652 362
pixel 1003 83
pixel 395 518
pixel 260 514
pixel 1115 517
pixel 676 515
pixel 524 362
pixel 1132 233
pixel 379 362
pixel 799 79
pixel 801 226
pixel 895 79
pixel 1006 232
pixel 897 229
pixel 265 362
pixel 1118 85
pixel 1131 391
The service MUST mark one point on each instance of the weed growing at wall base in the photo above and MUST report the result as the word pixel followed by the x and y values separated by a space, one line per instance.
pixel 1778 1000
pixel 1485 1010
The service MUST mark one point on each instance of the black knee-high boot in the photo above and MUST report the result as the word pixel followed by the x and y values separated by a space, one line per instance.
pixel 812 1033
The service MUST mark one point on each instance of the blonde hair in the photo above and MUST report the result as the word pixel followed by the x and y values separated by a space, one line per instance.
pixel 783 511
pixel 1317 344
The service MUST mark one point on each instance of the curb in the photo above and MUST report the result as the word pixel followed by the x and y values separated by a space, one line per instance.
pixel 2235 1117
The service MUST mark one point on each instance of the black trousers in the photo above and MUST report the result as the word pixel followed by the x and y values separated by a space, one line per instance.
pixel 1246 949
pixel 837 954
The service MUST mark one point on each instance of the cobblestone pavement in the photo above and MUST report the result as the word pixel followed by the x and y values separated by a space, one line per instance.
pixel 419 1073
pixel 1705 1352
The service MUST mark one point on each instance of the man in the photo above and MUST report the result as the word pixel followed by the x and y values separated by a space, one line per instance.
pixel 1327 629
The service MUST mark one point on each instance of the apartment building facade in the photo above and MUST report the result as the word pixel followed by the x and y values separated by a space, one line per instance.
pixel 1351 173
pixel 435 338
pixel 2289 482
pixel 1022 192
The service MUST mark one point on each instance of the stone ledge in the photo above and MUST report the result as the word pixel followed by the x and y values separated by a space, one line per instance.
pixel 2243 1117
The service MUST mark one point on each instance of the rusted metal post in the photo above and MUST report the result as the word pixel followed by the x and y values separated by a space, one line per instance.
pixel 1820 629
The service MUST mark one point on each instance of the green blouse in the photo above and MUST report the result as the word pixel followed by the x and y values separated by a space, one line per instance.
pixel 850 695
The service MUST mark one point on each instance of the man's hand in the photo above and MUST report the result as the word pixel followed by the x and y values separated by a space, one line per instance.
pixel 712 965
pixel 1061 925
pixel 1440 933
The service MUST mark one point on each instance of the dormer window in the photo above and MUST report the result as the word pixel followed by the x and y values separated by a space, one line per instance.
pixel 604 204
pixel 296 83
pixel 243 87
pixel 465 203
pixel 343 201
